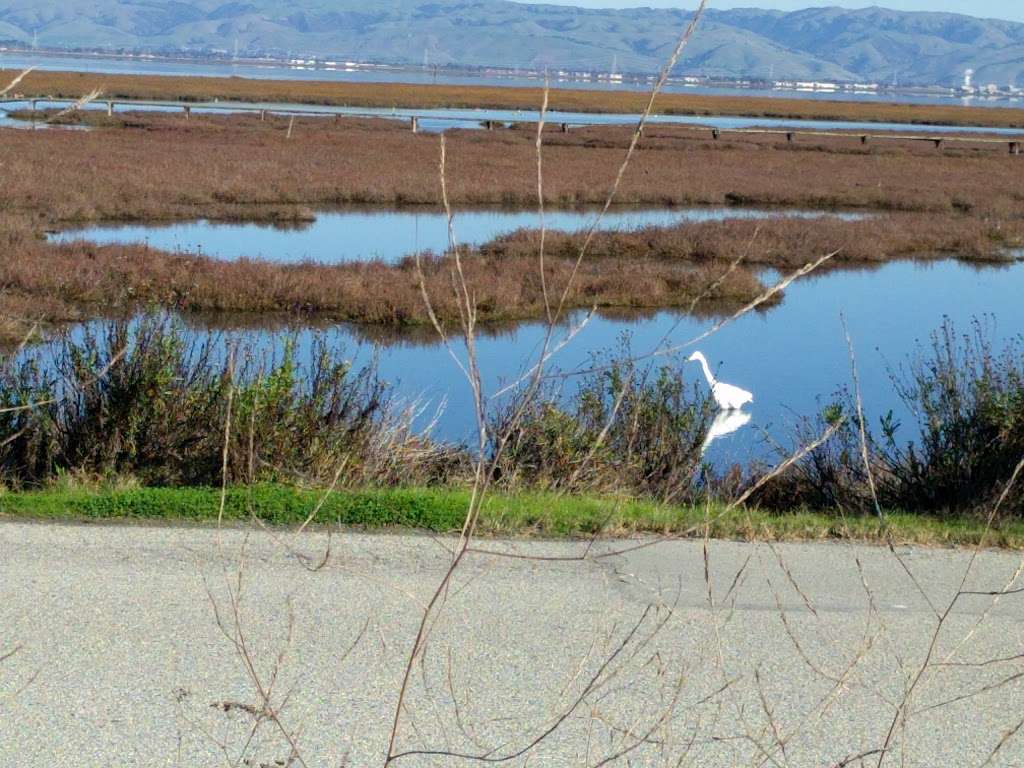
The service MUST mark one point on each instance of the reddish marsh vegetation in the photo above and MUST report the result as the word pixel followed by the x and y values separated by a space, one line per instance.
pixel 623 415
pixel 63 283
pixel 786 242
pixel 160 167
pixel 164 167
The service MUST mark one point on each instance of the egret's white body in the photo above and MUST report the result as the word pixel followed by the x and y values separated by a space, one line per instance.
pixel 728 397
pixel 725 423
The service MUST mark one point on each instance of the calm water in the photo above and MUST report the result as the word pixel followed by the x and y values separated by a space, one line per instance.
pixel 114 65
pixel 792 357
pixel 434 120
pixel 361 235
pixel 133 66
pixel 6 121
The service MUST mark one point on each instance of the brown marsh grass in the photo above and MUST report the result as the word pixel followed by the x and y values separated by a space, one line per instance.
pixel 152 167
pixel 786 242
pixel 52 283
pixel 74 84
pixel 162 167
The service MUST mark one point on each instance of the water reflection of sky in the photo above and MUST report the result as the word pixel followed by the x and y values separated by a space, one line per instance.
pixel 18 60
pixel 6 121
pixel 360 235
pixel 793 357
pixel 434 120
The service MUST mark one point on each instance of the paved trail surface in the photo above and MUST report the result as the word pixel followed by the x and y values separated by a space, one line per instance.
pixel 800 656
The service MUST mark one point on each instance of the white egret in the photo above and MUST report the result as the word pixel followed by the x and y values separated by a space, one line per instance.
pixel 725 423
pixel 728 397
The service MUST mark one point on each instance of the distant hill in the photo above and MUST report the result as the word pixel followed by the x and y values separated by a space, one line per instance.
pixel 874 44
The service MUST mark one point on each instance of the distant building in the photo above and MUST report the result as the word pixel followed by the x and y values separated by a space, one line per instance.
pixel 814 85
pixel 968 86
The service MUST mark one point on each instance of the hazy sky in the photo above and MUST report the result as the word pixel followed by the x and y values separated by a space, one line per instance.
pixel 999 9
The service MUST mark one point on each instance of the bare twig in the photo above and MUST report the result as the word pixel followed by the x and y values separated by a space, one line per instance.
pixel 861 428
pixel 13 84
pixel 76 106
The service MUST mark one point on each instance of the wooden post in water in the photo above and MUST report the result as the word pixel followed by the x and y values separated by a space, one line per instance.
pixel 188 113
pixel 263 115
pixel 110 109
pixel 414 123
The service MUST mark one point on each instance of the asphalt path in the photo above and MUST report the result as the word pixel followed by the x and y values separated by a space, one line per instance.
pixel 131 651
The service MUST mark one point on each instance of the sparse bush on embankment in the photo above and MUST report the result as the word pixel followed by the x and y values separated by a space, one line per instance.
pixel 956 458
pixel 626 428
pixel 142 401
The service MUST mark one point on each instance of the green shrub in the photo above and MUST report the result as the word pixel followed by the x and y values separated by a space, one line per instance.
pixel 956 457
pixel 145 400
pixel 627 428
pixel 970 431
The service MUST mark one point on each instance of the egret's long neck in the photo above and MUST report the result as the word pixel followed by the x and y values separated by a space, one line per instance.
pixel 707 371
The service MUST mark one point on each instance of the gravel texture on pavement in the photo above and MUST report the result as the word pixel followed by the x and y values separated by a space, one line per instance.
pixel 129 652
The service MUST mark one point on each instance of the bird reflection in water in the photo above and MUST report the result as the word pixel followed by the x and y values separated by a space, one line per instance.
pixel 725 423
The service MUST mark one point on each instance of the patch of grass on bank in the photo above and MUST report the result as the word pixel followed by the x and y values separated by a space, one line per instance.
pixel 442 509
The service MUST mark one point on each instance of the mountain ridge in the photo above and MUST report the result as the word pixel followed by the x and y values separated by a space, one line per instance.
pixel 866 45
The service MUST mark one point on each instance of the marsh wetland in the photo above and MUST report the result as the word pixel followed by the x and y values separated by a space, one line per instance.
pixel 389 235
pixel 270 320
pixel 283 234
pixel 792 353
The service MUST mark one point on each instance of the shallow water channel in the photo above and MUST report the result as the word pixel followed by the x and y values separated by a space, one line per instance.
pixel 441 119
pixel 6 121
pixel 360 235
pixel 793 357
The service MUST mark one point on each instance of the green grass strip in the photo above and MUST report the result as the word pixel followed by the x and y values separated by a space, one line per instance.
pixel 442 510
